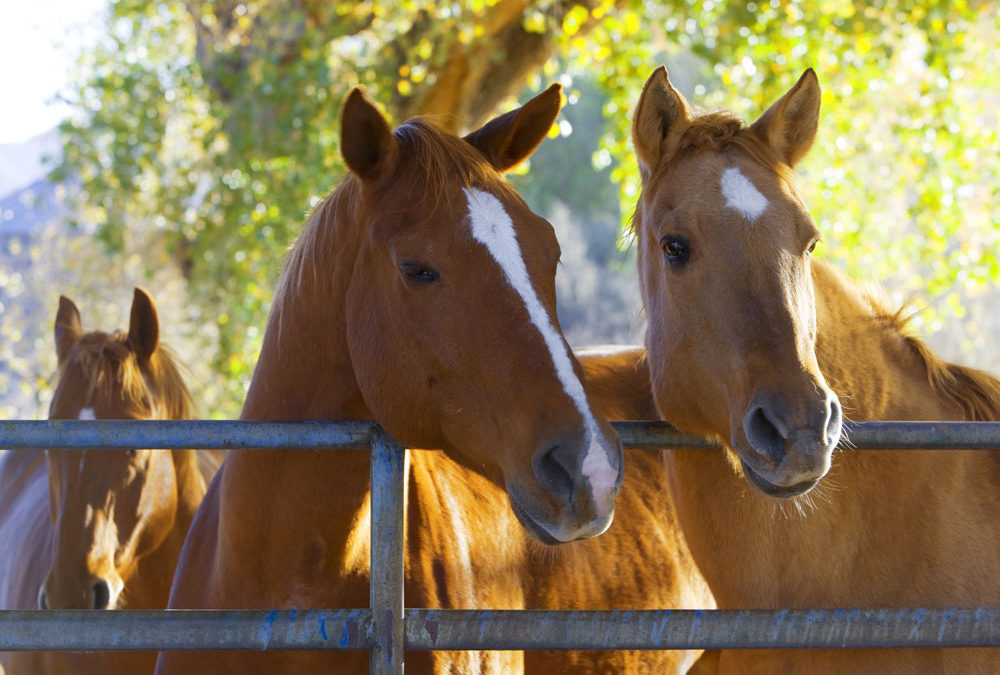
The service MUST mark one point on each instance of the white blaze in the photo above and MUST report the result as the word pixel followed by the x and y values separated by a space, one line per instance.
pixel 492 227
pixel 741 194
pixel 85 414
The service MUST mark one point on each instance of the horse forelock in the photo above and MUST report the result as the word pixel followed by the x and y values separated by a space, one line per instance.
pixel 720 132
pixel 100 360
pixel 433 162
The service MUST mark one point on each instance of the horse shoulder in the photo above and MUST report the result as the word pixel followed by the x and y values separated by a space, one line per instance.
pixel 465 547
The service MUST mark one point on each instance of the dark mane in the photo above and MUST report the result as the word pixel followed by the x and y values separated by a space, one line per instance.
pixel 101 360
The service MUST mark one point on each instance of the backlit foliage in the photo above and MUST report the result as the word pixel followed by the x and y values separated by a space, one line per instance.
pixel 211 127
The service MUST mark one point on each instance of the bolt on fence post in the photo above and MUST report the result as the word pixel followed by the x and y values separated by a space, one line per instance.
pixel 387 483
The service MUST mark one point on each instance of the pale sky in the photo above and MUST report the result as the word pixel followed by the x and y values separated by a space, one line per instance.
pixel 39 40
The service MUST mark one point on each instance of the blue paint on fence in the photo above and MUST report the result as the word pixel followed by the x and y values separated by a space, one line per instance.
pixel 268 627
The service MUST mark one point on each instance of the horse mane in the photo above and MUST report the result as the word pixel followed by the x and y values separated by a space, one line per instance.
pixel 724 132
pixel 432 154
pixel 102 358
pixel 975 392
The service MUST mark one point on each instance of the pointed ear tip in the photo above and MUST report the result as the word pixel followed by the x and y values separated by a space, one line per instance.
pixel 141 296
pixel 809 77
pixel 357 96
pixel 552 96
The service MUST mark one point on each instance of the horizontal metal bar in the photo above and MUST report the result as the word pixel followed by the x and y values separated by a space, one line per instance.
pixel 175 434
pixel 856 436
pixel 323 435
pixel 435 629
pixel 657 435
pixel 708 629
pixel 140 630
pixel 921 435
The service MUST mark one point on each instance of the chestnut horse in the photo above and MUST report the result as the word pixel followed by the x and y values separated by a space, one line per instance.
pixel 100 529
pixel 763 335
pixel 421 294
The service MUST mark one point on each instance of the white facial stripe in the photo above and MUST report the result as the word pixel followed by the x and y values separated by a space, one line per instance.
pixel 492 227
pixel 85 414
pixel 741 194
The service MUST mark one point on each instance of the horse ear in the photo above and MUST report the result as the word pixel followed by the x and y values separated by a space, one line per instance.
pixel 789 126
pixel 68 327
pixel 510 139
pixel 366 141
pixel 661 115
pixel 143 326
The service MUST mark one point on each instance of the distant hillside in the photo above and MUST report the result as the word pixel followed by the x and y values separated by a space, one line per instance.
pixel 21 164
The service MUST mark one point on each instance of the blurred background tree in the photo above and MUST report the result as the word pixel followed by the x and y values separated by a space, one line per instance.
pixel 205 131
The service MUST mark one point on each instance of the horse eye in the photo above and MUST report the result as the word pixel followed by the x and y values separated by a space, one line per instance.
pixel 418 273
pixel 812 246
pixel 676 249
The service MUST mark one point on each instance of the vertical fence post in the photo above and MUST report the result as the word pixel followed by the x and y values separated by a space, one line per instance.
pixel 387 478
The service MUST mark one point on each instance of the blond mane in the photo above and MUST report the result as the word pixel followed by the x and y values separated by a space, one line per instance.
pixel 975 392
pixel 723 132
pixel 101 359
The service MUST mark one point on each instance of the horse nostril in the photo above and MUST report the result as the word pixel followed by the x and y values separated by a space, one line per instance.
pixel 764 435
pixel 553 472
pixel 102 594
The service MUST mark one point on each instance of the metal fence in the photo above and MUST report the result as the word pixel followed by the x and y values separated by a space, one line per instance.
pixel 387 628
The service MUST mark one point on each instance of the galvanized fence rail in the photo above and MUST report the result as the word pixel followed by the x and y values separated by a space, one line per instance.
pixel 387 628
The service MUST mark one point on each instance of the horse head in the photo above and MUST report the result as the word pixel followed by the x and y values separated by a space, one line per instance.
pixel 724 262
pixel 109 507
pixel 451 315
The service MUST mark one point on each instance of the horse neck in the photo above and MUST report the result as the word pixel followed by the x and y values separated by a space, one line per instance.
pixel 191 485
pixel 304 370
pixel 880 373
pixel 149 588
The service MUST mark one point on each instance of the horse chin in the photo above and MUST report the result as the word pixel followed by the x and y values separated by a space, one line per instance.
pixel 535 529
pixel 772 490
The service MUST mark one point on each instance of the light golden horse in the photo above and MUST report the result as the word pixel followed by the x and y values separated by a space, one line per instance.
pixel 421 294
pixel 100 529
pixel 752 341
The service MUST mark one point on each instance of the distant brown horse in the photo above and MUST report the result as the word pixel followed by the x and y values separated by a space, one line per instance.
pixel 761 335
pixel 421 294
pixel 100 529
